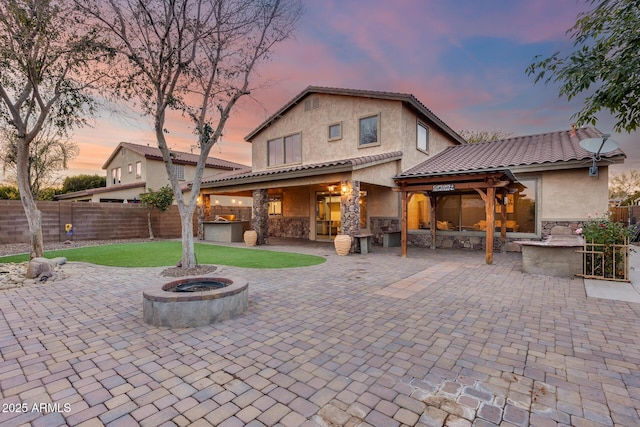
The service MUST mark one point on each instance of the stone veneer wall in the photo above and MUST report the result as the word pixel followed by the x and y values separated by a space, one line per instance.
pixel 260 220
pixel 294 227
pixel 378 225
pixel 350 210
pixel 548 225
pixel 461 242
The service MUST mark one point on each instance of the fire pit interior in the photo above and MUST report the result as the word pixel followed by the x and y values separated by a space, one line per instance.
pixel 198 285
pixel 195 301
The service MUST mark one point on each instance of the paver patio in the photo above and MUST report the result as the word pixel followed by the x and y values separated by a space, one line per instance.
pixel 437 338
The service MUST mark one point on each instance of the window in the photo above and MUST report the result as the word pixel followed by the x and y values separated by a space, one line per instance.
pixel 138 169
pixel 466 212
pixel 285 150
pixel 178 171
pixel 130 168
pixel 418 212
pixel 369 130
pixel 116 175
pixel 335 131
pixel 275 205
pixel 423 138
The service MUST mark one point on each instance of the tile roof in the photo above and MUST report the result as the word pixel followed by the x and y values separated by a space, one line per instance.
pixel 544 148
pixel 394 96
pixel 100 190
pixel 181 157
pixel 308 169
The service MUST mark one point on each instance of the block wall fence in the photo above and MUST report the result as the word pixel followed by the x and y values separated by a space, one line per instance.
pixel 91 221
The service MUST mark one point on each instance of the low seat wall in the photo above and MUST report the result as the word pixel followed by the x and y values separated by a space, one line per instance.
pixel 557 256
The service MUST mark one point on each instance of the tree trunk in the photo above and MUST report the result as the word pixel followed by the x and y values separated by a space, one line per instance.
pixel 188 251
pixel 149 222
pixel 34 217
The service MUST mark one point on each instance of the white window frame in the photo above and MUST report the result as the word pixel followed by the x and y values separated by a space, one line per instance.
pixel 138 169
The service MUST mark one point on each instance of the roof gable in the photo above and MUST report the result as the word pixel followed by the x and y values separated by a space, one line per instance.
pixel 181 157
pixel 407 99
pixel 545 148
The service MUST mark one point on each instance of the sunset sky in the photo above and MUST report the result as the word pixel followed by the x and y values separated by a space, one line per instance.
pixel 464 59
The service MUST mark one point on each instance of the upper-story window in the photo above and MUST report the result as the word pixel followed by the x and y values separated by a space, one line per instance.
pixel 116 175
pixel 178 171
pixel 138 169
pixel 369 130
pixel 282 151
pixel 423 138
pixel 335 131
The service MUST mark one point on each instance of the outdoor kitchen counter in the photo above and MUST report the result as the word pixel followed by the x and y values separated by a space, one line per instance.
pixel 224 231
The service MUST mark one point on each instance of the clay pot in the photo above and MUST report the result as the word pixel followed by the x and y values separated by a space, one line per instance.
pixel 342 243
pixel 250 237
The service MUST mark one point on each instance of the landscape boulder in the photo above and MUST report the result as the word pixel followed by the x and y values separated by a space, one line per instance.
pixel 39 267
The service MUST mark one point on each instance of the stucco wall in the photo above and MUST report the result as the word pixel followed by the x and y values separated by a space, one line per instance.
pixel 397 131
pixel 313 125
pixel 411 156
pixel 382 202
pixel 572 194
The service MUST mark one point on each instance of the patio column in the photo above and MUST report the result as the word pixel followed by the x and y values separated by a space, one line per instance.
pixel 350 209
pixel 260 218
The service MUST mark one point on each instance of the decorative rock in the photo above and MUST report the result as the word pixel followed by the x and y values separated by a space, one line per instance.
pixel 38 267
pixel 59 260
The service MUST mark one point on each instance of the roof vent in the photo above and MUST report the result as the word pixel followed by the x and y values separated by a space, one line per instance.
pixel 311 103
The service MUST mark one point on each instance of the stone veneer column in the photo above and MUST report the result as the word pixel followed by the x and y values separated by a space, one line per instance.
pixel 260 218
pixel 350 209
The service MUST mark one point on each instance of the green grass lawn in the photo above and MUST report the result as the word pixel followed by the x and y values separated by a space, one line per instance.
pixel 168 253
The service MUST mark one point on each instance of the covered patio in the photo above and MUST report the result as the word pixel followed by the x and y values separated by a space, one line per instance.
pixel 493 186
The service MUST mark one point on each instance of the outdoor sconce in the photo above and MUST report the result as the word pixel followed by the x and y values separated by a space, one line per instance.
pixel 344 189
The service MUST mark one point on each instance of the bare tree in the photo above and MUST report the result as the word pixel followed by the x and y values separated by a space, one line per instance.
pixel 193 56
pixel 624 185
pixel 48 155
pixel 44 57
pixel 474 136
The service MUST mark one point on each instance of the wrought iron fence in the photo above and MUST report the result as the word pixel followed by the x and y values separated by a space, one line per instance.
pixel 605 261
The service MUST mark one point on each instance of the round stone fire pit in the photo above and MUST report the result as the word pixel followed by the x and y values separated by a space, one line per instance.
pixel 196 301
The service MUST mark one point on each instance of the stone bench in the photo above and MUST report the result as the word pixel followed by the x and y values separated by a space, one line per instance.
pixel 365 239
pixel 556 256
pixel 391 239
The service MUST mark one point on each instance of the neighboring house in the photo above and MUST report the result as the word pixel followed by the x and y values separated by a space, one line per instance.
pixel 133 169
pixel 340 160
pixel 324 163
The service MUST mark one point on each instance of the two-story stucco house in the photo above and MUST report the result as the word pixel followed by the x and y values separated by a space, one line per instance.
pixel 324 163
pixel 133 169
pixel 340 160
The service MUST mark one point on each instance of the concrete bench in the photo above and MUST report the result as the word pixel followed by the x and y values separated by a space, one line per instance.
pixel 556 256
pixel 365 239
pixel 391 239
